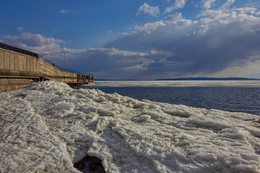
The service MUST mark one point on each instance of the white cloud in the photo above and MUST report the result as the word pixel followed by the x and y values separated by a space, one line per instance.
pixel 54 30
pixel 148 27
pixel 136 67
pixel 178 20
pixel 20 28
pixel 246 11
pixel 178 5
pixel 227 5
pixel 45 46
pixel 216 16
pixel 148 10
pixel 207 4
pixel 63 11
pixel 175 17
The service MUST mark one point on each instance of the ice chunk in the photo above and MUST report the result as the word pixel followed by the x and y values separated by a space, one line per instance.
pixel 141 118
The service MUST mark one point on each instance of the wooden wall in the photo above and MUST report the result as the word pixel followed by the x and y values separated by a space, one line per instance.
pixel 18 65
pixel 51 72
pixel 13 84
pixel 12 63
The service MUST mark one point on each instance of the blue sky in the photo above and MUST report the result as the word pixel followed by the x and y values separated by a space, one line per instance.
pixel 136 39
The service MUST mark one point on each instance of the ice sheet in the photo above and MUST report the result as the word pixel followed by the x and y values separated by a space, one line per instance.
pixel 49 126
pixel 176 83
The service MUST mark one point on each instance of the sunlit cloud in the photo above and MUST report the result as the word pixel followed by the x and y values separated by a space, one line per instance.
pixel 177 5
pixel 45 46
pixel 146 9
pixel 208 3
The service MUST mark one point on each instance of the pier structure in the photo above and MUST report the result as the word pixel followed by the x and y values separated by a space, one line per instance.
pixel 19 67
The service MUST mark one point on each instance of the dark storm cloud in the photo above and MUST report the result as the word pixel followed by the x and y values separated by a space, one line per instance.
pixel 108 62
pixel 198 47
pixel 103 62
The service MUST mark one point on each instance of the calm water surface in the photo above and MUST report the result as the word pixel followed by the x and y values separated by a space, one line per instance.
pixel 224 98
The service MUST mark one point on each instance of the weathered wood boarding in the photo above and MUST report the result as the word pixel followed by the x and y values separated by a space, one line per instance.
pixel 18 64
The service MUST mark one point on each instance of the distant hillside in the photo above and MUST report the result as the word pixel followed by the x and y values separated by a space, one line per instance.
pixel 211 78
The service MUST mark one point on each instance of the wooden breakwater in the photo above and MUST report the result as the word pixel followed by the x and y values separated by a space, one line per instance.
pixel 20 67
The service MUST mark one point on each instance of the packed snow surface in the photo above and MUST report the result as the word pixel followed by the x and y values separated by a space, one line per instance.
pixel 49 126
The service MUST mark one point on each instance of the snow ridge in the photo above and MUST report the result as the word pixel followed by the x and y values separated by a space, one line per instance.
pixel 49 126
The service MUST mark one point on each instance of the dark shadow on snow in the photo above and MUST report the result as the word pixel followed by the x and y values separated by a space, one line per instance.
pixel 90 165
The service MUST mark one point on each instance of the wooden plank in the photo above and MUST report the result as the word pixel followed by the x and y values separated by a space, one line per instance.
pixel 6 60
pixel 11 62
pixel 2 59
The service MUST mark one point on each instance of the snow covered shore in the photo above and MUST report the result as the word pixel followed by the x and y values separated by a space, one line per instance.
pixel 49 126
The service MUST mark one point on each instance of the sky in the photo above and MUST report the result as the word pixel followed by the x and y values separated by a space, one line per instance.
pixel 139 39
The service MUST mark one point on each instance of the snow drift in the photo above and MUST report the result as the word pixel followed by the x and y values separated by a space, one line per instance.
pixel 49 126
